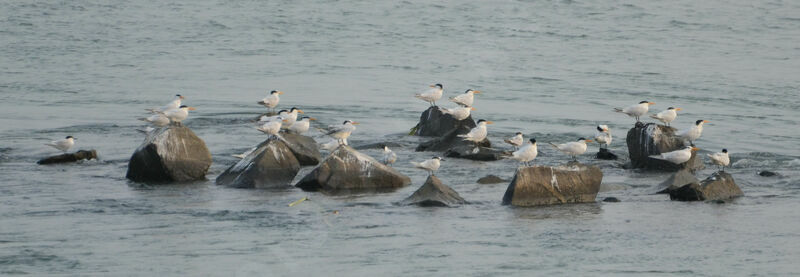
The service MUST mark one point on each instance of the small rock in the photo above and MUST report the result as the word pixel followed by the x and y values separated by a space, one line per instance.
pixel 604 154
pixel 491 179
pixel 719 186
pixel 766 173
pixel 271 165
pixel 545 185
pixel 611 199
pixel 378 145
pixel 70 157
pixel 434 123
pixel 675 181
pixel 346 170
pixel 451 140
pixel 170 154
pixel 434 194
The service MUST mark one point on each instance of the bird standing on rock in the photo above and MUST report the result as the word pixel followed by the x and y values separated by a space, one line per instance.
pixel 301 126
pixel 666 116
pixel 158 119
pixel 178 115
pixel 720 159
pixel 341 132
pixel 291 116
pixel 459 113
pixel 527 153
pixel 573 148
pixel 603 136
pixel 271 127
pixel 389 157
pixel 478 133
pixel 466 98
pixel 694 132
pixel 637 110
pixel 63 144
pixel 515 141
pixel 430 165
pixel 432 94
pixel 271 101
pixel 172 105
pixel 677 156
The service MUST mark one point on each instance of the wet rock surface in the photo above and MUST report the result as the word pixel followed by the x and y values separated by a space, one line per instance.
pixel 545 185
pixel 456 147
pixel 491 179
pixel 347 170
pixel 434 194
pixel 718 186
pixel 434 123
pixel 611 200
pixel 377 145
pixel 767 173
pixel 272 165
pixel 604 154
pixel 678 179
pixel 70 157
pixel 170 154
pixel 304 148
pixel 652 139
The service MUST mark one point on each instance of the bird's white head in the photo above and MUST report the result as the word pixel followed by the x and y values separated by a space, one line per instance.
pixel 472 91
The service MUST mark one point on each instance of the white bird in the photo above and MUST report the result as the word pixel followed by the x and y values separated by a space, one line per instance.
pixel 330 146
pixel 146 130
pixel 271 101
pixel 466 98
pixel 178 115
pixel 291 116
pixel 62 144
pixel 666 116
pixel 478 133
pixel 301 126
pixel 430 165
pixel 677 156
pixel 172 105
pixel 720 158
pixel 389 157
pixel 341 132
pixel 603 136
pixel 515 141
pixel 158 119
pixel 432 94
pixel 694 132
pixel 527 153
pixel 280 116
pixel 459 113
pixel 572 148
pixel 243 155
pixel 271 127
pixel 637 110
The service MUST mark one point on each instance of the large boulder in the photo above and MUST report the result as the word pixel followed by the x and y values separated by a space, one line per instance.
pixel 676 180
pixel 434 123
pixel 456 147
pixel 546 185
pixel 305 148
pixel 719 186
pixel 604 154
pixel 271 165
pixel 434 194
pixel 347 170
pixel 70 157
pixel 653 139
pixel 170 154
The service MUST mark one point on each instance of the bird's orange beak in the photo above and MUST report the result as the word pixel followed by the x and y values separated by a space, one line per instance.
pixel 192 108
pixel 476 91
pixel 678 109
pixel 354 123
pixel 489 122
pixel 695 148
pixel 300 111
pixel 605 129
pixel 280 92
pixel 432 86
pixel 706 121
pixel 472 108
pixel 651 103
pixel 285 120
pixel 311 118
pixel 588 140
pixel 181 97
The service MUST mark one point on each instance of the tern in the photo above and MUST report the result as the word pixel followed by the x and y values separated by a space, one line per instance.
pixel 158 119
pixel 389 157
pixel 478 133
pixel 677 156
pixel 430 165
pixel 466 98
pixel 694 132
pixel 341 132
pixel 603 136
pixel 637 110
pixel 301 126
pixel 432 94
pixel 526 153
pixel 720 159
pixel 666 116
pixel 515 141
pixel 63 144
pixel 172 105
pixel 572 148
pixel 178 115
pixel 271 101
pixel 459 113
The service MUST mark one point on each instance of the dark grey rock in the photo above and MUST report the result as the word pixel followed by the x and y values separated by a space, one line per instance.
pixel 719 186
pixel 491 179
pixel 378 145
pixel 434 123
pixel 70 157
pixel 451 140
pixel 678 179
pixel 271 165
pixel 766 173
pixel 545 185
pixel 653 139
pixel 604 154
pixel 170 154
pixel 304 148
pixel 347 170
pixel 434 194
pixel 611 200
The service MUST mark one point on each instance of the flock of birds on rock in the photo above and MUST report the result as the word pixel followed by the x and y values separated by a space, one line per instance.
pixel 524 151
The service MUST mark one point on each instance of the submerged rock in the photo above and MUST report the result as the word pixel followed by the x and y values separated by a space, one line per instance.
pixel 170 154
pixel 378 145
pixel 678 179
pixel 70 157
pixel 604 154
pixel 611 200
pixel 719 186
pixel 304 148
pixel 434 194
pixel 346 169
pixel 545 185
pixel 767 173
pixel 652 139
pixel 456 147
pixel 491 179
pixel 271 165
pixel 434 123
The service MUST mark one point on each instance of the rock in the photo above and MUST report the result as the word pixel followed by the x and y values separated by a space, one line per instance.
pixel 450 140
pixel 491 179
pixel 476 153
pixel 346 169
pixel 434 194
pixel 611 200
pixel 170 154
pixel 545 185
pixel 70 157
pixel 678 179
pixel 304 148
pixel 719 186
pixel 378 145
pixel 271 165
pixel 766 173
pixel 653 139
pixel 604 154
pixel 433 123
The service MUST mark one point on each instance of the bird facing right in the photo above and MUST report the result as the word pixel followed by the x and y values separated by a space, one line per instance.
pixel 720 159
pixel 526 153
pixel 637 110
pixel 666 116
pixel 572 148
pixel 63 144
pixel 429 165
